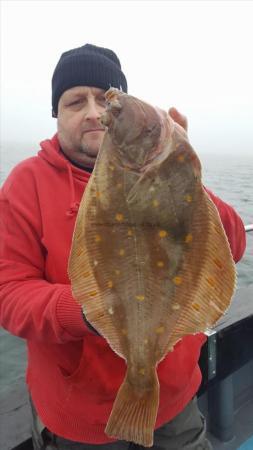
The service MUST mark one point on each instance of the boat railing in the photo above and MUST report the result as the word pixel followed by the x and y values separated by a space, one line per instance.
pixel 248 227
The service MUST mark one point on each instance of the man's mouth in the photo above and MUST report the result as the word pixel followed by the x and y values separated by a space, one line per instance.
pixel 92 130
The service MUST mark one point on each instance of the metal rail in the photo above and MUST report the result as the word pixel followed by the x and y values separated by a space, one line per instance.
pixel 249 227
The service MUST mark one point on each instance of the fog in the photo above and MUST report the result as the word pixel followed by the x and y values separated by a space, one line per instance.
pixel 194 55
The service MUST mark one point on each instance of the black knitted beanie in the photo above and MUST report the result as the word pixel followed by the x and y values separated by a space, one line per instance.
pixel 88 65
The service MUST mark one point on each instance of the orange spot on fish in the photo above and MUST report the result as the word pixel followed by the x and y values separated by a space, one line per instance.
pixel 119 217
pixel 97 194
pixel 196 306
pixel 140 297
pixel 141 371
pixel 188 238
pixel 117 272
pixel 86 274
pixel 130 232
pixel 155 203
pixel 188 198
pixel 92 293
pixel 177 280
pixel 162 233
pixel 159 330
pixel 98 238
pixel 121 252
pixel 180 158
pixel 160 264
pixel 110 284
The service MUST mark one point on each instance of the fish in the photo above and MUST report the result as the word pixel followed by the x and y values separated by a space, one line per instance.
pixel 150 261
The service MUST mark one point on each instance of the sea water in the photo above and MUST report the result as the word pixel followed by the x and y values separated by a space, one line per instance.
pixel 230 177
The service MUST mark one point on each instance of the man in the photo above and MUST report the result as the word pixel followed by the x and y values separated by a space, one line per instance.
pixel 73 375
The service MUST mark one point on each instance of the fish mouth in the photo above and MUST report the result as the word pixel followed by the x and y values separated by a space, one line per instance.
pixel 106 119
pixel 113 106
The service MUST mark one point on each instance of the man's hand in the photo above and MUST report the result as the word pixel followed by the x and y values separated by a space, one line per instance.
pixel 179 118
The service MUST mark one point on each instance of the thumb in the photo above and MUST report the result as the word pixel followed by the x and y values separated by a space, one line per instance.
pixel 178 117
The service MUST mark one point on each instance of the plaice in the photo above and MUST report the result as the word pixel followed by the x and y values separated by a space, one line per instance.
pixel 150 261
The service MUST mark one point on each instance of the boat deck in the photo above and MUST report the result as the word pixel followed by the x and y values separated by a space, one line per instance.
pixel 243 430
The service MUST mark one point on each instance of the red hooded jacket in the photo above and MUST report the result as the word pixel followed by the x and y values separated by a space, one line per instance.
pixel 72 374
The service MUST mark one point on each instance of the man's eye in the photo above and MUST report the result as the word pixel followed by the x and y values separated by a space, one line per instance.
pixel 101 100
pixel 75 102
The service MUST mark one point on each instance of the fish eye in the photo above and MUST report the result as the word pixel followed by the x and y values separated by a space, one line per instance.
pixel 115 108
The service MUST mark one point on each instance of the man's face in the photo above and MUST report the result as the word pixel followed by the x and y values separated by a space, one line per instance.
pixel 79 130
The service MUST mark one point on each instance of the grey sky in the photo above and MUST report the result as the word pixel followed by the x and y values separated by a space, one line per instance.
pixel 194 55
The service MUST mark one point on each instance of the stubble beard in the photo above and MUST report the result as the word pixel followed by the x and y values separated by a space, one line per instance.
pixel 87 156
pixel 86 149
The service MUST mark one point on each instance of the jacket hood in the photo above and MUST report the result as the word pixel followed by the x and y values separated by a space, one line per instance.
pixel 51 152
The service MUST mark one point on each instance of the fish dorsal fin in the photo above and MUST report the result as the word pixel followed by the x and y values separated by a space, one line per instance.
pixel 205 291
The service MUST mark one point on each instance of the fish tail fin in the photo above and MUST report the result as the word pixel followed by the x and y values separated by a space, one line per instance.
pixel 134 412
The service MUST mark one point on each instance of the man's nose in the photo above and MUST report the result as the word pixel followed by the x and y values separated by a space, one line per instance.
pixel 93 110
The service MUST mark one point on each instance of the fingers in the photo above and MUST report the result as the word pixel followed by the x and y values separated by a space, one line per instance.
pixel 178 117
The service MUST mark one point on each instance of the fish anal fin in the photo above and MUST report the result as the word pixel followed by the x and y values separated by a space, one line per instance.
pixel 134 413
pixel 94 299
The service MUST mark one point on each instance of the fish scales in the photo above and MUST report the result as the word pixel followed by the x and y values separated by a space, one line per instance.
pixel 150 261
